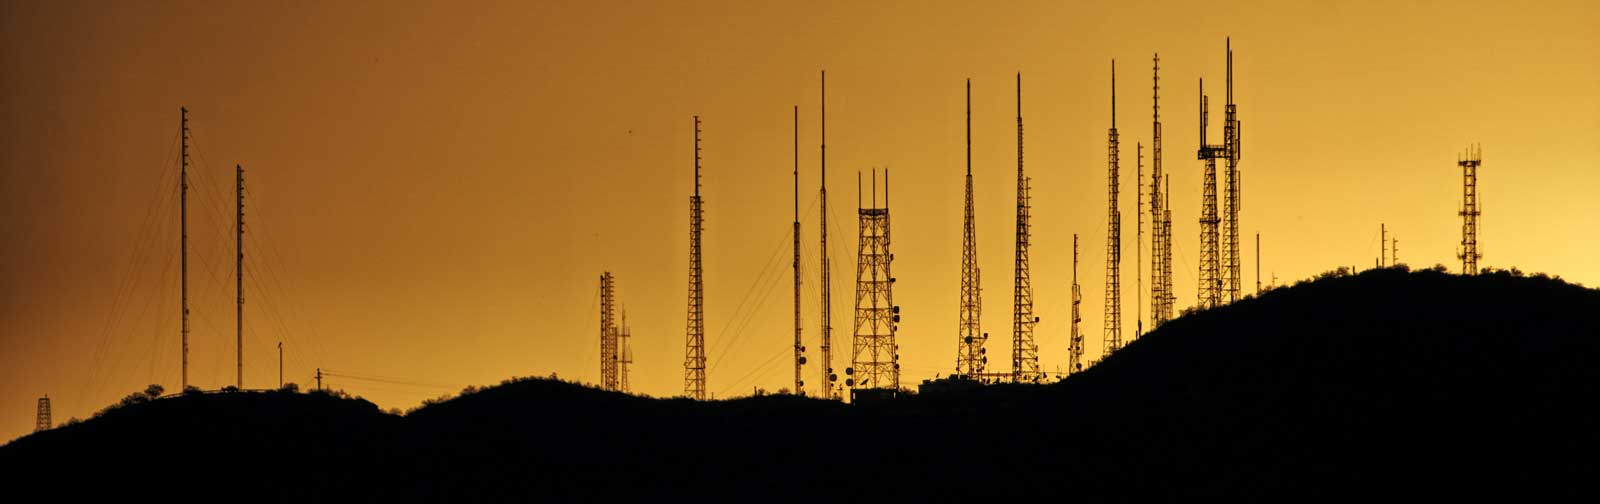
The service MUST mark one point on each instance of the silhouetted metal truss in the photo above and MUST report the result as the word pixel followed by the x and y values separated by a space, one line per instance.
pixel 970 353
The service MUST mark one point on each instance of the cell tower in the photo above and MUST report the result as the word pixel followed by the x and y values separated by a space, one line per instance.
pixel 875 359
pixel 625 349
pixel 1138 244
pixel 1219 256
pixel 1160 216
pixel 828 376
pixel 239 269
pixel 1113 320
pixel 1075 340
pixel 799 348
pixel 694 359
pixel 1024 352
pixel 41 421
pixel 970 338
pixel 183 250
pixel 1468 254
pixel 609 376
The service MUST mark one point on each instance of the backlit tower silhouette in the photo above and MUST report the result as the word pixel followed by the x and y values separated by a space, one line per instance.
pixel 1468 254
pixel 1219 239
pixel 970 338
pixel 799 348
pixel 625 349
pixel 1024 352
pixel 183 233
pixel 41 420
pixel 609 360
pixel 694 359
pixel 1160 215
pixel 826 336
pixel 875 359
pixel 1075 340
pixel 1113 306
pixel 239 270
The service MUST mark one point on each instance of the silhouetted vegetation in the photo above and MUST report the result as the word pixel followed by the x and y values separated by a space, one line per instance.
pixel 1380 385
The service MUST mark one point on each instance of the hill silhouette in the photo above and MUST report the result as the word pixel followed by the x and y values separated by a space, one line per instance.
pixel 1382 385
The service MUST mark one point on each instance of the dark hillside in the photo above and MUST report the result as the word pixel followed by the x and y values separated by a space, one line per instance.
pixel 1380 385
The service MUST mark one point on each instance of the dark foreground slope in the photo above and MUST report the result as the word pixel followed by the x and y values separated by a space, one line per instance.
pixel 1383 385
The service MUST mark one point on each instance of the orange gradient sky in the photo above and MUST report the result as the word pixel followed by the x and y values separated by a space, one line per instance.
pixel 434 188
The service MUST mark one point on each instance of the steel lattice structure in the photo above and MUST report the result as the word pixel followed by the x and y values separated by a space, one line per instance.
pixel 1161 296
pixel 875 360
pixel 799 348
pixel 970 338
pixel 625 353
pixel 1113 304
pixel 1469 254
pixel 610 378
pixel 42 421
pixel 694 360
pixel 1075 339
pixel 825 343
pixel 1024 351
pixel 1219 239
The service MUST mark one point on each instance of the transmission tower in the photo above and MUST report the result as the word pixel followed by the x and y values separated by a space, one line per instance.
pixel 1138 244
pixel 1219 269
pixel 875 359
pixel 826 342
pixel 970 352
pixel 42 420
pixel 239 269
pixel 183 223
pixel 1113 320
pixel 609 379
pixel 1468 254
pixel 1160 215
pixel 1024 352
pixel 625 349
pixel 799 348
pixel 694 360
pixel 1075 340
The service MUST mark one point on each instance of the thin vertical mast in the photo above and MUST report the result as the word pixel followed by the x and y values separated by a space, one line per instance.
pixel 799 349
pixel 239 272
pixel 828 377
pixel 183 219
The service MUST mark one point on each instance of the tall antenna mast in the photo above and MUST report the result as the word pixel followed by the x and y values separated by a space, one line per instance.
pixel 183 220
pixel 239 270
pixel 1075 340
pixel 970 354
pixel 1138 244
pixel 875 360
pixel 828 376
pixel 1230 248
pixel 609 377
pixel 1024 352
pixel 1469 212
pixel 1258 264
pixel 626 350
pixel 694 362
pixel 799 349
pixel 1160 214
pixel 1113 320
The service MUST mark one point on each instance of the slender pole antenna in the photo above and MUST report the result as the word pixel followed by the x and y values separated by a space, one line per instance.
pixel 239 272
pixel 183 219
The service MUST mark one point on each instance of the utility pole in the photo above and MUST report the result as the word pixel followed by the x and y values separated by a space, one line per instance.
pixel 319 378
pixel 238 270
pixel 799 348
pixel 694 363
pixel 1258 264
pixel 183 223
pixel 971 358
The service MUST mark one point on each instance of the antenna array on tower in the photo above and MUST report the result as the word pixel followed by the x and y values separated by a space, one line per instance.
pixel 694 360
pixel 875 359
pixel 1024 351
pixel 1113 305
pixel 1468 253
pixel 971 358
pixel 609 358
pixel 1161 296
pixel 1219 238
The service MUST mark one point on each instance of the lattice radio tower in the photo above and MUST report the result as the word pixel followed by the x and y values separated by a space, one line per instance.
pixel 183 250
pixel 239 270
pixel 1024 352
pixel 875 359
pixel 1113 320
pixel 799 348
pixel 1468 254
pixel 694 360
pixel 609 360
pixel 625 351
pixel 970 353
pixel 41 421
pixel 826 336
pixel 1075 340
pixel 1219 269
pixel 1160 216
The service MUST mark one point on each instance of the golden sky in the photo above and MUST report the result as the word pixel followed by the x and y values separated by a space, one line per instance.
pixel 434 188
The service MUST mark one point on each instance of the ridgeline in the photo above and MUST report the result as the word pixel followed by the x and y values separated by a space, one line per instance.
pixel 1386 384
